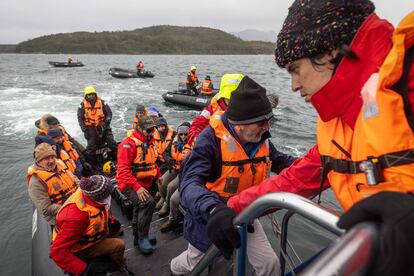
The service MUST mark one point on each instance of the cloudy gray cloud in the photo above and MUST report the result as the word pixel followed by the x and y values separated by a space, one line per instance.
pixel 24 19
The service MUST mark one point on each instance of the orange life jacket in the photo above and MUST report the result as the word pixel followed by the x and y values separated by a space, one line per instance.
pixel 98 223
pixel 162 143
pixel 60 183
pixel 65 134
pixel 70 164
pixel 378 154
pixel 144 164
pixel 179 156
pixel 193 77
pixel 205 88
pixel 238 171
pixel 94 115
pixel 68 147
pixel 140 66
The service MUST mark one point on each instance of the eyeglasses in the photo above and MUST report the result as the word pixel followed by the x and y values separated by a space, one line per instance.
pixel 183 134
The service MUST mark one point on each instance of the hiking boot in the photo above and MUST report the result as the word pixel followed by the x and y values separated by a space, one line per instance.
pixel 160 203
pixel 145 246
pixel 164 210
pixel 169 225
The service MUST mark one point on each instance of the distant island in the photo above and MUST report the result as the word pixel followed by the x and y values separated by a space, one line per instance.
pixel 163 39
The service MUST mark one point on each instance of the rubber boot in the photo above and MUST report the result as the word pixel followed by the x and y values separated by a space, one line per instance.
pixel 152 239
pixel 145 246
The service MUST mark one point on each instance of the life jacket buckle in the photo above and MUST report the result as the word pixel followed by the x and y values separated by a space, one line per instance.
pixel 372 169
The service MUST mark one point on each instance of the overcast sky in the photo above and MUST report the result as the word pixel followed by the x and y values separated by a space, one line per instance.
pixel 25 19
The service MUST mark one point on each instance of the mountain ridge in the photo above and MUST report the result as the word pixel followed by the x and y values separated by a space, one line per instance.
pixel 160 39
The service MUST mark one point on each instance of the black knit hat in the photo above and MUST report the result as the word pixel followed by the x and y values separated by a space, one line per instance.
pixel 249 104
pixel 55 132
pixel 52 120
pixel 139 108
pixel 314 27
pixel 160 121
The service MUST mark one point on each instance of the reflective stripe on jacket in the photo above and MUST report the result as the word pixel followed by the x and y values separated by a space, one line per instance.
pixel 98 222
pixel 239 171
pixel 378 154
pixel 94 115
pixel 144 164
pixel 60 184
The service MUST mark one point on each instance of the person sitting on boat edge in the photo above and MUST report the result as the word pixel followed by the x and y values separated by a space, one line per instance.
pixel 70 60
pixel 140 67
pixel 230 155
pixel 94 118
pixel 57 135
pixel 191 81
pixel 163 135
pixel 175 154
pixel 48 121
pixel 358 93
pixel 228 83
pixel 82 231
pixel 60 152
pixel 207 86
pixel 49 182
pixel 137 177
pixel 140 111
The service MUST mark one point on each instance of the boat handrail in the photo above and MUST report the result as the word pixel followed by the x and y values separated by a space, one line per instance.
pixel 296 203
pixel 350 254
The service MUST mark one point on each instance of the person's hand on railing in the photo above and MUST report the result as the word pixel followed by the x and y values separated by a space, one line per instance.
pixel 221 231
pixel 394 212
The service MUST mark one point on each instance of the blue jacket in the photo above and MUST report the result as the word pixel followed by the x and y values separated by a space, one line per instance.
pixel 204 165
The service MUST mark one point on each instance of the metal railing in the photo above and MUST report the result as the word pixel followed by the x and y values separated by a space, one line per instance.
pixel 305 208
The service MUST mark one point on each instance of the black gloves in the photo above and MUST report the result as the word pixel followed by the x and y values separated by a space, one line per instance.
pixel 221 231
pixel 394 212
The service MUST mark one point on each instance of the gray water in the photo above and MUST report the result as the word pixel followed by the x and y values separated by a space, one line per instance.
pixel 30 87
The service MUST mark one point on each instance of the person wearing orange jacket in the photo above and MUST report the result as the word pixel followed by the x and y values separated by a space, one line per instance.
pixel 175 154
pixel 94 118
pixel 57 135
pixel 191 81
pixel 207 86
pixel 140 67
pixel 137 177
pixel 163 136
pixel 83 229
pixel 228 84
pixel 50 183
pixel 233 153
pixel 358 73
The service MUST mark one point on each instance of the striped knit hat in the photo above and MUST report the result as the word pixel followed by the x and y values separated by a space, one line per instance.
pixel 314 27
pixel 96 187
